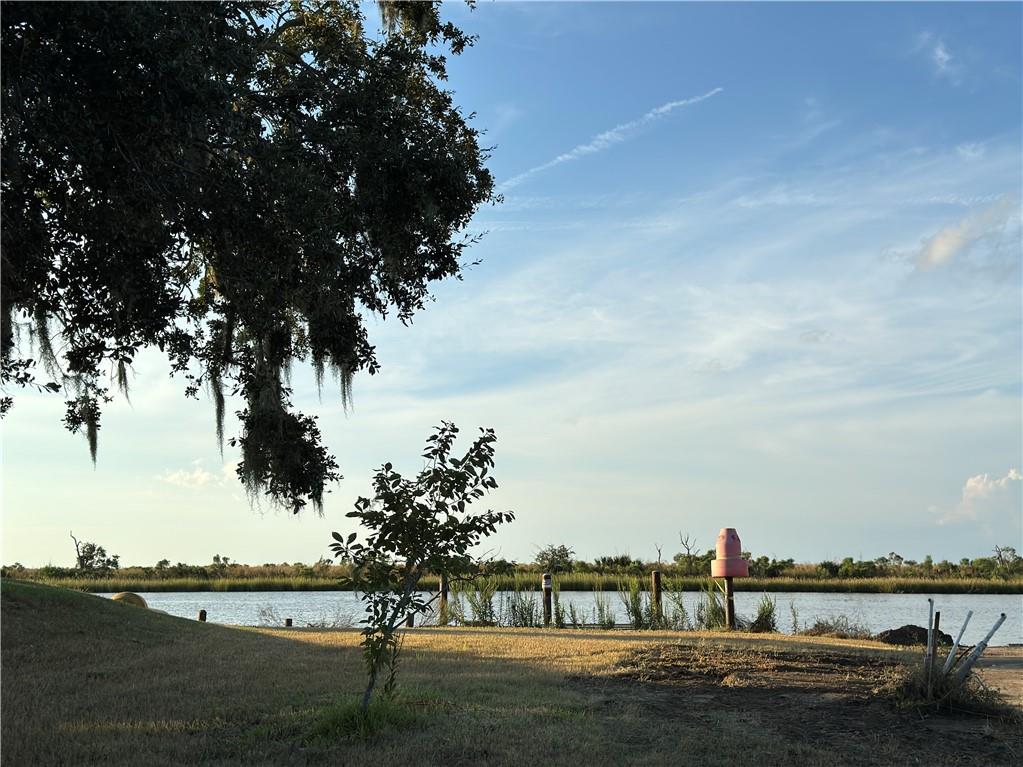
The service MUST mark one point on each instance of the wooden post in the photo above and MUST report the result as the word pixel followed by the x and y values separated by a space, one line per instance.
pixel 410 620
pixel 655 593
pixel 202 616
pixel 729 603
pixel 287 623
pixel 443 608
pixel 548 588
pixel 931 653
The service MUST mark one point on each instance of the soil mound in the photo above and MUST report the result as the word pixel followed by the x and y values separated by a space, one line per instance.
pixel 911 635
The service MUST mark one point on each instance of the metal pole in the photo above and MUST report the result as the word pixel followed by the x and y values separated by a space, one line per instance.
pixel 960 676
pixel 955 645
pixel 932 651
pixel 927 650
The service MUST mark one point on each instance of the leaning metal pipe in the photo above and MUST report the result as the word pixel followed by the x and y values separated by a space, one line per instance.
pixel 960 676
pixel 930 629
pixel 955 645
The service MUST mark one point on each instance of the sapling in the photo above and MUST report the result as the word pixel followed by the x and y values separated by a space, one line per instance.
pixel 416 526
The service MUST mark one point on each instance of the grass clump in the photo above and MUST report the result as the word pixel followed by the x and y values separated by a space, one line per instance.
pixel 907 687
pixel 524 610
pixel 348 720
pixel 766 621
pixel 839 627
pixel 603 615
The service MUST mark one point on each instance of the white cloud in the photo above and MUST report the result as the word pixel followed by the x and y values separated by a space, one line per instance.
pixel 608 138
pixel 985 496
pixel 197 477
pixel 957 239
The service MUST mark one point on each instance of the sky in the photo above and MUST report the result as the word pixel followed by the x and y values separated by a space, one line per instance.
pixel 757 266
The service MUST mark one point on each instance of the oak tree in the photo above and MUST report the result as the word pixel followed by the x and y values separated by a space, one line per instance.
pixel 238 184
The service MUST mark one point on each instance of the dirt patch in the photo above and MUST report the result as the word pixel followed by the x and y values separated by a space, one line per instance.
pixel 832 703
pixel 911 635
pixel 1001 668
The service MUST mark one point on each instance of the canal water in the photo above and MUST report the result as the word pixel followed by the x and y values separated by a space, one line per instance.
pixel 874 612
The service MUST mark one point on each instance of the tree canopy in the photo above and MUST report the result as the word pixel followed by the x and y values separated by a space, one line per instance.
pixel 236 184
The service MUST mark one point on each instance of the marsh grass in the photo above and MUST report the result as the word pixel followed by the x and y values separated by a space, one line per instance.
pixel 480 596
pixel 566 582
pixel 523 609
pixel 603 615
pixel 709 614
pixel 558 610
pixel 766 620
pixel 637 610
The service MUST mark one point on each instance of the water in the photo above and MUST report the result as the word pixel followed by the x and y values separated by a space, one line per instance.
pixel 875 612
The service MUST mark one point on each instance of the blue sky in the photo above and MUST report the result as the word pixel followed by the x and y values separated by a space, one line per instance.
pixel 757 266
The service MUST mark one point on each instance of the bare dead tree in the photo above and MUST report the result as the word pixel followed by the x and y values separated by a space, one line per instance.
pixel 688 544
pixel 78 550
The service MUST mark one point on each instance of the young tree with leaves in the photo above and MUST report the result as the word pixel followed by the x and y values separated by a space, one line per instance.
pixel 416 526
pixel 235 183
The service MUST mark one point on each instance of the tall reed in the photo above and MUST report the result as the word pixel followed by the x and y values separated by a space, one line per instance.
pixel 710 609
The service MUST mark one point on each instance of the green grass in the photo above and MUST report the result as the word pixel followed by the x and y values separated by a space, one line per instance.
pixel 566 582
pixel 87 681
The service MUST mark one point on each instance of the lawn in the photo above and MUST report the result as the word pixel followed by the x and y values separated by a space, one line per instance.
pixel 88 681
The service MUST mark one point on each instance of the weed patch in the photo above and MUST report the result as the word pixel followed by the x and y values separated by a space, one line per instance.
pixel 347 720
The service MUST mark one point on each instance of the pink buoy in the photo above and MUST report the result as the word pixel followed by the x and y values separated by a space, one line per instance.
pixel 729 562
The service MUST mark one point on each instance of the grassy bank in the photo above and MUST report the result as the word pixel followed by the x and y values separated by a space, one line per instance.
pixel 566 582
pixel 88 681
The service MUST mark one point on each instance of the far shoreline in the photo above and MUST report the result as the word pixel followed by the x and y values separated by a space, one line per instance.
pixel 568 582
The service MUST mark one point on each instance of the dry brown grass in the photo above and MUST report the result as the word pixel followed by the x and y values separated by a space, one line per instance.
pixel 87 681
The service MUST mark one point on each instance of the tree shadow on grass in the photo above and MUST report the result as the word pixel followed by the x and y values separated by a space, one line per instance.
pixel 88 681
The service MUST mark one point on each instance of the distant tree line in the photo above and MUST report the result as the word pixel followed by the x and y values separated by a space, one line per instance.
pixel 1005 562
pixel 92 561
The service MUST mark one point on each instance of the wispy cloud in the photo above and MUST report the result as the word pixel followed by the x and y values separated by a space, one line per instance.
pixel 957 239
pixel 971 150
pixel 782 195
pixel 939 55
pixel 609 138
pixel 504 115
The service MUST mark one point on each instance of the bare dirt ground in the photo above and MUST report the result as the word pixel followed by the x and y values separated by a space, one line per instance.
pixel 829 700
pixel 1002 668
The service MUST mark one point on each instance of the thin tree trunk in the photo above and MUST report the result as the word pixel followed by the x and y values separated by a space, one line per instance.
pixel 369 689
